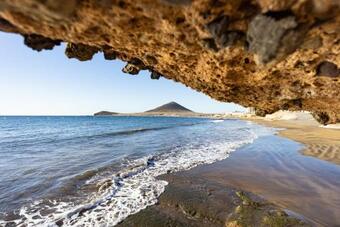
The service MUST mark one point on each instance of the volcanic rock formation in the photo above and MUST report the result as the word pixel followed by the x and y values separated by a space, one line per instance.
pixel 171 107
pixel 267 54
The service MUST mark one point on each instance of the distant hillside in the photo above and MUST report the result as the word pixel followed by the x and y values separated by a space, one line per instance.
pixel 105 113
pixel 171 107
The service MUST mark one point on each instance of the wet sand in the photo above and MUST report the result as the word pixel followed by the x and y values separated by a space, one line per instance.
pixel 322 143
pixel 271 168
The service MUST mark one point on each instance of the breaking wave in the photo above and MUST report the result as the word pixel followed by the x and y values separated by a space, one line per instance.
pixel 125 181
pixel 130 190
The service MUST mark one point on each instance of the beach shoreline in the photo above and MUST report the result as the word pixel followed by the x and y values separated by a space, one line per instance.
pixel 266 181
pixel 320 142
pixel 307 143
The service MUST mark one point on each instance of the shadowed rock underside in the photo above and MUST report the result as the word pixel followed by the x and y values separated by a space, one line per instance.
pixel 267 54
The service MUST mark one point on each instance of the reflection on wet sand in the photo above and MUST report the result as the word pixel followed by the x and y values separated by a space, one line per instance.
pixel 320 142
pixel 271 167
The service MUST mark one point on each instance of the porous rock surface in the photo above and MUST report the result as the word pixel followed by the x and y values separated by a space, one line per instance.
pixel 267 54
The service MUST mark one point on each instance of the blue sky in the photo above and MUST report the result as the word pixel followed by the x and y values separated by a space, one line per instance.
pixel 48 83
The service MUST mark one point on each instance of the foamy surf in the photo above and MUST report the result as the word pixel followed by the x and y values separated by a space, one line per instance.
pixel 130 190
pixel 217 121
pixel 134 186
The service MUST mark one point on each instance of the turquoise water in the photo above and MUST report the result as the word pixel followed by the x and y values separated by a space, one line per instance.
pixel 95 170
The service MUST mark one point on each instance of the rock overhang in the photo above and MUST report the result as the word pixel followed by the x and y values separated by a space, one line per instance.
pixel 267 54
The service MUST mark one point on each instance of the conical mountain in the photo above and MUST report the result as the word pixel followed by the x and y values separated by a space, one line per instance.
pixel 171 107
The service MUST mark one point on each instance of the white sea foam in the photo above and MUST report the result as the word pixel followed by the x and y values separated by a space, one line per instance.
pixel 132 189
pixel 217 120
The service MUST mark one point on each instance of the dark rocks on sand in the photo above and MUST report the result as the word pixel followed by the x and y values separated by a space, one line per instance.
pixel 260 112
pixel 186 202
pixel 150 162
pixel 321 117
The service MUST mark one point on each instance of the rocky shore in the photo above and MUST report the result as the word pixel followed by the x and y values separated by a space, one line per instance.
pixel 198 202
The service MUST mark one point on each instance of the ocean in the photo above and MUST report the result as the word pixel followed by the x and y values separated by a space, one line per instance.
pixel 98 170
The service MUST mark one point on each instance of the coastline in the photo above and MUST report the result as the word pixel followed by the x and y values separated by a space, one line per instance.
pixel 320 142
pixel 161 114
pixel 285 185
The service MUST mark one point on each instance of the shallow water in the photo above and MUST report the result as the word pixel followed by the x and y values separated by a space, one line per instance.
pixel 98 170
pixel 274 168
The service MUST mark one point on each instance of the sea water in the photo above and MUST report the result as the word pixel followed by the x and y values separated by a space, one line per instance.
pixel 98 170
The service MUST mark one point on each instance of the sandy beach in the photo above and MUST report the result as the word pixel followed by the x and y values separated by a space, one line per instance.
pixel 320 142
pixel 294 175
